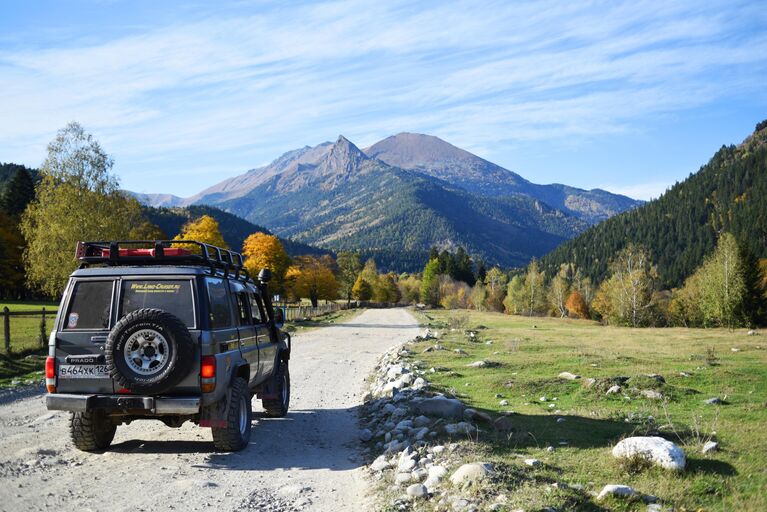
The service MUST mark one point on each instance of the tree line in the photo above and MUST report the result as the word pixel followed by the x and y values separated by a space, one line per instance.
pixel 729 289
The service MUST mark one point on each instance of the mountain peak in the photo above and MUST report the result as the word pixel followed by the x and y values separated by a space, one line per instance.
pixel 343 158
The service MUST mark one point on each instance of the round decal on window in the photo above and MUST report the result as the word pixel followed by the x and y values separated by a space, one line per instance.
pixel 73 318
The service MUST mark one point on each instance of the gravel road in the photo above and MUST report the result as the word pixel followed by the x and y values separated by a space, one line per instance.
pixel 307 461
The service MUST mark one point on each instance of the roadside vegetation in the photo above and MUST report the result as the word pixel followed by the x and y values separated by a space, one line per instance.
pixel 663 377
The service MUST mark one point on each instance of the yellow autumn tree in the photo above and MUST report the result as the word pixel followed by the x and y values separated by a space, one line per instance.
pixel 312 278
pixel 205 229
pixel 266 251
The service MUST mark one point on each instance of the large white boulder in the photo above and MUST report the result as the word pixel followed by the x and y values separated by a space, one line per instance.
pixel 657 450
pixel 469 474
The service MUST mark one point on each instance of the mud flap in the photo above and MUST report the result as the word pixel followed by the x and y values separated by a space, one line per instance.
pixel 214 415
pixel 268 390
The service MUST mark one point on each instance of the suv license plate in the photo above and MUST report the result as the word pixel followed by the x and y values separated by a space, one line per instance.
pixel 83 371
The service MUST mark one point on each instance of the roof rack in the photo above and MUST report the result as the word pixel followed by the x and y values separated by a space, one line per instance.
pixel 161 252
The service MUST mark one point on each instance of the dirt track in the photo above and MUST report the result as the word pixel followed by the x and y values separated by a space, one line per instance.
pixel 308 460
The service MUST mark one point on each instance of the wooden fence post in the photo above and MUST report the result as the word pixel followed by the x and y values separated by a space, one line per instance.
pixel 7 329
pixel 43 328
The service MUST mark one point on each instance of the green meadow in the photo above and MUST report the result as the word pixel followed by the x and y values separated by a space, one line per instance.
pixel 685 366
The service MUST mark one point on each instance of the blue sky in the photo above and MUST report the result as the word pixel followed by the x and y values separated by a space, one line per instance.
pixel 627 96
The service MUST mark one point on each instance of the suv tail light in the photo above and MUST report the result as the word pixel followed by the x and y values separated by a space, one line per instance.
pixel 50 374
pixel 208 374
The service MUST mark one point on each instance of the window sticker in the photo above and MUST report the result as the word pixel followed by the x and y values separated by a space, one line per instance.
pixel 172 288
pixel 72 322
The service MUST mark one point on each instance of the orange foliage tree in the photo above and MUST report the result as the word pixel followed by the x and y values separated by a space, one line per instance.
pixel 576 306
pixel 312 278
pixel 266 251
pixel 205 229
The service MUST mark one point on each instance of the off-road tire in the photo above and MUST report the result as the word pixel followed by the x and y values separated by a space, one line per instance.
pixel 278 407
pixel 235 435
pixel 178 360
pixel 91 431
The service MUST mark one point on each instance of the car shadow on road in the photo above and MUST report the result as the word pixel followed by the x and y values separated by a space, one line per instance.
pixel 304 439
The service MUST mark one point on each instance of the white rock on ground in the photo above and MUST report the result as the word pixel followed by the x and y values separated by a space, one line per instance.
pixel 472 473
pixel 569 376
pixel 436 474
pixel 417 491
pixel 477 364
pixel 621 491
pixel 533 462
pixel 657 450
pixel 651 394
pixel 613 390
pixel 380 463
pixel 710 446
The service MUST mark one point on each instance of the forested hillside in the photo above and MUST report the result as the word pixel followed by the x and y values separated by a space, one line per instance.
pixel 680 228
pixel 8 171
pixel 348 201
pixel 233 228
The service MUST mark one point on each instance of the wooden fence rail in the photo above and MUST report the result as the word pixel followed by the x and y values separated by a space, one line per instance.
pixel 29 330
pixel 300 312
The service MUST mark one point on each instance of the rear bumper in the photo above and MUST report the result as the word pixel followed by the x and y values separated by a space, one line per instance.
pixel 155 405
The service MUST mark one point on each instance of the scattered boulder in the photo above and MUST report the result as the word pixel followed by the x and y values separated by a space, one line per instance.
pixel 438 406
pixel 365 435
pixel 421 421
pixel 477 364
pixel 380 463
pixel 416 491
pixel 734 349
pixel 472 473
pixel 710 446
pixel 613 390
pixel 533 463
pixel 453 429
pixel 435 475
pixel 651 394
pixel 713 401
pixel 568 376
pixel 589 382
pixel 657 450
pixel 752 333
pixel 473 414
pixel 402 478
pixel 503 403
pixel 619 491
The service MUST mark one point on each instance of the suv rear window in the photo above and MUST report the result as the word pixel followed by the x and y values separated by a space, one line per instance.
pixel 90 306
pixel 173 296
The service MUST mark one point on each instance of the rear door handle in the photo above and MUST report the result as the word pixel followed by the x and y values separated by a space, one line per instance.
pixel 98 339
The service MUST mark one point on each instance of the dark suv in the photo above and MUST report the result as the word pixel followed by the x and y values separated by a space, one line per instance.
pixel 170 330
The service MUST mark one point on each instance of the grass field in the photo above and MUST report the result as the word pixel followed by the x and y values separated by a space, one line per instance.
pixel 25 330
pixel 696 365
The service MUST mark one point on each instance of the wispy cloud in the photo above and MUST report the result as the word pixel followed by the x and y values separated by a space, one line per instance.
pixel 242 87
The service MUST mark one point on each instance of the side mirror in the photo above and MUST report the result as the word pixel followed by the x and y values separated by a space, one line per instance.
pixel 265 275
pixel 279 318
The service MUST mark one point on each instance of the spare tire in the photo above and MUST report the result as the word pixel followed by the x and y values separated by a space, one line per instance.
pixel 149 351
